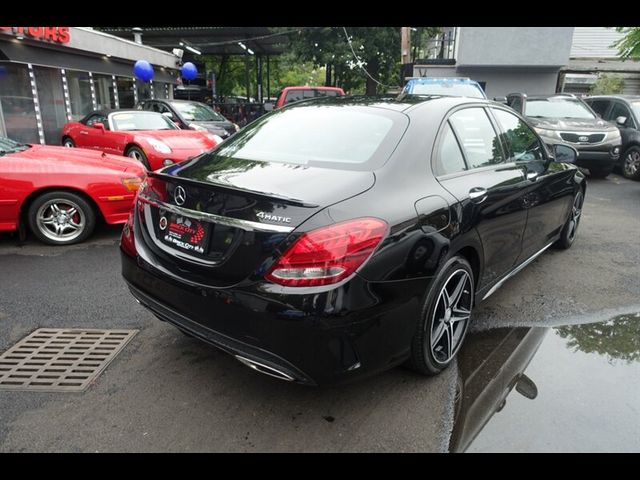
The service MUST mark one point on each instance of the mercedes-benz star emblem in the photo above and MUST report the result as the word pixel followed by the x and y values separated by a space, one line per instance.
pixel 179 195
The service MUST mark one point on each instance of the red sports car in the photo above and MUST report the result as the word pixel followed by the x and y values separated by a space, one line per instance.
pixel 60 193
pixel 149 137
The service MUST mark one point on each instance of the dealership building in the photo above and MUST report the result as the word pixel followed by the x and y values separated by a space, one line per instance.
pixel 51 75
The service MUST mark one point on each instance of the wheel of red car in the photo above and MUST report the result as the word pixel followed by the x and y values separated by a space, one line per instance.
pixel 61 218
pixel 137 154
pixel 67 142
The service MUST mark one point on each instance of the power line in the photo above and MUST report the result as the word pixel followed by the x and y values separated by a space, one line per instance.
pixel 359 62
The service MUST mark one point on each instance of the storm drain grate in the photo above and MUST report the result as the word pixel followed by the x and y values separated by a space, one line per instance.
pixel 60 360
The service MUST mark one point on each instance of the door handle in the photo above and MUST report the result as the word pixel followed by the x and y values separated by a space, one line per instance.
pixel 532 176
pixel 82 132
pixel 478 194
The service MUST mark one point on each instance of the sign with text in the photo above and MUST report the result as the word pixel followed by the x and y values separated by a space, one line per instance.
pixel 49 34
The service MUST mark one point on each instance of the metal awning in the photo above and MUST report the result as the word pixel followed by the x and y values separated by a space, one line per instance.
pixel 52 57
pixel 211 40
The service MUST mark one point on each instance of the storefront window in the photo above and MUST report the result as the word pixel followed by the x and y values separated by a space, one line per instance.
pixel 160 90
pixel 144 90
pixel 105 96
pixel 79 93
pixel 125 92
pixel 17 111
pixel 51 97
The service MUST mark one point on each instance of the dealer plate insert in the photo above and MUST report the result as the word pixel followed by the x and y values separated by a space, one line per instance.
pixel 60 359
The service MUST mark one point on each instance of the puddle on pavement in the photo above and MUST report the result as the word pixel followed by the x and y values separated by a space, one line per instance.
pixel 571 388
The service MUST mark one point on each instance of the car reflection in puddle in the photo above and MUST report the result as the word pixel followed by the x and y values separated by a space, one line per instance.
pixel 587 382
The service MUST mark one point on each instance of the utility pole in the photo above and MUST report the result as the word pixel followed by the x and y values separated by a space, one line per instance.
pixel 405 44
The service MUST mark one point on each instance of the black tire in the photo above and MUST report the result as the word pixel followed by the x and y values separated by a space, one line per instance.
pixel 600 172
pixel 68 142
pixel 423 359
pixel 137 154
pixel 570 229
pixel 52 224
pixel 631 163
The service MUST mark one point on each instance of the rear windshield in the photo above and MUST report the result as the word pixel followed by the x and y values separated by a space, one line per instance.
pixel 452 89
pixel 348 137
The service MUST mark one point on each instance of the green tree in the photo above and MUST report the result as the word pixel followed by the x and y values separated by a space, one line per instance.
pixel 607 85
pixel 618 338
pixel 370 59
pixel 629 45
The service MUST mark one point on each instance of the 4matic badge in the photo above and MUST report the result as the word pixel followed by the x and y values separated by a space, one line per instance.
pixel 273 218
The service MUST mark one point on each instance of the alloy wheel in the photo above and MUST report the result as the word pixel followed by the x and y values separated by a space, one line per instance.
pixel 68 143
pixel 136 155
pixel 632 163
pixel 574 219
pixel 451 316
pixel 60 220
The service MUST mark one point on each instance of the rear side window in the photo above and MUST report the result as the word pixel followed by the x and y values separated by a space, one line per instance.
pixel 326 93
pixel 478 139
pixel 599 106
pixel 618 110
pixel 324 136
pixel 293 96
pixel 450 159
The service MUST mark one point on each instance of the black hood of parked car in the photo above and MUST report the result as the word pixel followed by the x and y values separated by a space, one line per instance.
pixel 218 128
pixel 583 124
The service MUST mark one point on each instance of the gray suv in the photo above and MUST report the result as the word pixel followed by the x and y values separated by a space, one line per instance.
pixel 565 119
pixel 624 110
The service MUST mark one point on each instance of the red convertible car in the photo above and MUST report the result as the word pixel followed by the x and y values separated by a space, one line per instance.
pixel 149 137
pixel 60 193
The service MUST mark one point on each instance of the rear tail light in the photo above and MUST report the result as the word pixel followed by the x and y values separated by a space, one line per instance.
pixel 329 254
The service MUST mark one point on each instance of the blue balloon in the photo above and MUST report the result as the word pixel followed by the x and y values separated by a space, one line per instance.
pixel 143 70
pixel 189 71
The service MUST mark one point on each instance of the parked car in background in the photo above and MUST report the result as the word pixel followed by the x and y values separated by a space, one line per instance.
pixel 294 94
pixel 148 137
pixel 331 247
pixel 624 111
pixel 60 193
pixel 190 115
pixel 565 119
pixel 457 87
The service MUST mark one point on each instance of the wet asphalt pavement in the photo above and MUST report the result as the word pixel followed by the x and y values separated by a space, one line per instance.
pixel 168 392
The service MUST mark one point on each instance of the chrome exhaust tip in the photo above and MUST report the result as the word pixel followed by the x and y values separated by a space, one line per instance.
pixel 267 370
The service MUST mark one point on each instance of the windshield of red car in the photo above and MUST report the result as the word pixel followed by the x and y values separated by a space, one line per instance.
pixel 127 121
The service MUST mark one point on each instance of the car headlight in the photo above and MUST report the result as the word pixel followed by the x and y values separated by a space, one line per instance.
pixel 543 132
pixel 193 126
pixel 159 146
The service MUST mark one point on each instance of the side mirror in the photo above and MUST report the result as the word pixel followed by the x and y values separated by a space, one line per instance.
pixel 169 115
pixel 500 100
pixel 269 106
pixel 526 387
pixel 621 121
pixel 99 126
pixel 565 153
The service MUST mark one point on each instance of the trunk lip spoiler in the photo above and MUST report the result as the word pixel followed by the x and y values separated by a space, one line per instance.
pixel 270 196
pixel 212 217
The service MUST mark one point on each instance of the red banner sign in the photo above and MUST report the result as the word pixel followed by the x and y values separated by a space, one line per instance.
pixel 50 34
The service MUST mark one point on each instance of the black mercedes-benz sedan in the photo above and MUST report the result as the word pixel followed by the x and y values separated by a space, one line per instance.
pixel 340 237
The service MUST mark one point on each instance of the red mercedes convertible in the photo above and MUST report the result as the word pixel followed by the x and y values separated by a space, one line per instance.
pixel 149 137
pixel 60 193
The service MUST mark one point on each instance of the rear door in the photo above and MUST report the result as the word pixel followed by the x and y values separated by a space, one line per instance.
pixel 472 165
pixel 547 193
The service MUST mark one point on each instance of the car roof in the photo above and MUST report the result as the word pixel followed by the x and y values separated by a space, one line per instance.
pixel 424 80
pixel 399 103
pixel 618 96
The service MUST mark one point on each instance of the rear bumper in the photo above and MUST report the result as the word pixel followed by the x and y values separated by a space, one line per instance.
pixel 319 338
